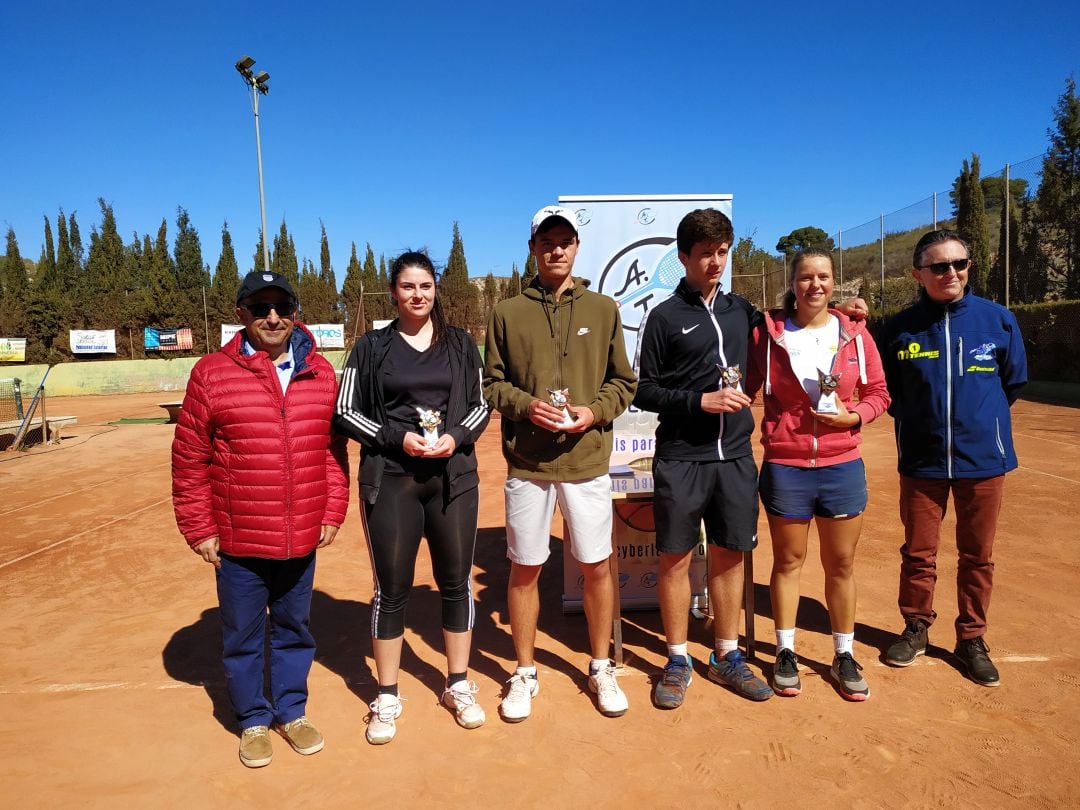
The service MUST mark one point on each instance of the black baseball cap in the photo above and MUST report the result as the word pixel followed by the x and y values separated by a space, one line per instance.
pixel 259 280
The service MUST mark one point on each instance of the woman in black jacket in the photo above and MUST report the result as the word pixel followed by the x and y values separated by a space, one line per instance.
pixel 411 395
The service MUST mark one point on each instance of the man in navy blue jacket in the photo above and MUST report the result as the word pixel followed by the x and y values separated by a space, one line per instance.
pixel 954 364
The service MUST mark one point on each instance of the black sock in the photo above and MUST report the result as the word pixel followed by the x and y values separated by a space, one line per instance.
pixel 455 677
pixel 388 690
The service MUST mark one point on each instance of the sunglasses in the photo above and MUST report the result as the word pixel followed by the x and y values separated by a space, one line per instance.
pixel 941 268
pixel 284 309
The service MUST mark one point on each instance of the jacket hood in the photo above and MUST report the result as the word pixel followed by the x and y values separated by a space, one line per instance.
pixel 775 319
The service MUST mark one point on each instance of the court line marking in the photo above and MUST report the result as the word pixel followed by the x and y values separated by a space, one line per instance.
pixel 1044 439
pixel 86 531
pixel 1051 475
pixel 95 485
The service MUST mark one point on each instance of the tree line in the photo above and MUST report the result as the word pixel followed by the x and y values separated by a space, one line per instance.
pixel 151 281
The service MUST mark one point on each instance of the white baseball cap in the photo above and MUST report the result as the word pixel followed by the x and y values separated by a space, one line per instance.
pixel 549 211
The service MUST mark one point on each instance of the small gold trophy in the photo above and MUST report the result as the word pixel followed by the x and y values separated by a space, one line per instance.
pixel 560 399
pixel 429 423
pixel 730 376
pixel 827 401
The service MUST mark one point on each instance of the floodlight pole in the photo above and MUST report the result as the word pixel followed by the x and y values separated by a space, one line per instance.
pixel 258 86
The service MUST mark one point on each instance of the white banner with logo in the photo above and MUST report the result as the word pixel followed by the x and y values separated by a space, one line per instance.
pixel 328 335
pixel 93 341
pixel 228 330
pixel 628 252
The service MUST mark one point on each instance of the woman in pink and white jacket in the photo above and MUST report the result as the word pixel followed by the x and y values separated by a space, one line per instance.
pixel 812 468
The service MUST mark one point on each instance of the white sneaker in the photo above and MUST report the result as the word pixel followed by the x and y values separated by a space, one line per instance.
pixel 385 710
pixel 610 698
pixel 459 698
pixel 520 691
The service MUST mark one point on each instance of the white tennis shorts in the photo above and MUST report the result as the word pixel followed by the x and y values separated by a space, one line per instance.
pixel 530 505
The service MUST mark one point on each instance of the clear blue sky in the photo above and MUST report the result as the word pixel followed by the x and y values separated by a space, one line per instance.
pixel 390 121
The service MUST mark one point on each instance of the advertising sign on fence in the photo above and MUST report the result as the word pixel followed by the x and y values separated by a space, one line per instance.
pixel 92 341
pixel 228 330
pixel 12 350
pixel 328 335
pixel 167 340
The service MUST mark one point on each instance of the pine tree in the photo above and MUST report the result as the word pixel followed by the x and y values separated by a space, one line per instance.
pixel 530 271
pixel 13 290
pixel 351 289
pixel 309 291
pixel 164 289
pixel 258 260
pixel 65 259
pixel 1058 197
pixel 460 298
pixel 76 242
pixel 329 293
pixel 222 298
pixel 515 282
pixel 192 278
pixel 106 279
pixel 283 259
pixel 46 273
pixel 971 223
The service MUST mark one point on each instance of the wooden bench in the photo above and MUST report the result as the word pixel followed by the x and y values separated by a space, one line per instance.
pixel 53 427
pixel 173 409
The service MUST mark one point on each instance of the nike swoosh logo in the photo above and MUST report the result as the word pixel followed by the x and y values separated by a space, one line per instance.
pixel 686 331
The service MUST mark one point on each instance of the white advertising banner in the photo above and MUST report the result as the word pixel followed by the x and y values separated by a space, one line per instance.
pixel 93 341
pixel 628 252
pixel 228 330
pixel 328 335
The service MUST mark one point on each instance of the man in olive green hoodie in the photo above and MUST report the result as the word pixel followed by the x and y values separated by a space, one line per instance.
pixel 558 338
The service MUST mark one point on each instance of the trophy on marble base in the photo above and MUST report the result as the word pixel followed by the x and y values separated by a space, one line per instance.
pixel 429 424
pixel 730 376
pixel 560 398
pixel 827 401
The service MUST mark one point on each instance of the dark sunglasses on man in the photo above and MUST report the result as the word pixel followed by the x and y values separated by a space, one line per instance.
pixel 261 309
pixel 941 268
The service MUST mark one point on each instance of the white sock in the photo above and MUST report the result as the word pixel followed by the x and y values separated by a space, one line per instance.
pixel 527 671
pixel 677 650
pixel 726 645
pixel 785 639
pixel 598 664
pixel 843 642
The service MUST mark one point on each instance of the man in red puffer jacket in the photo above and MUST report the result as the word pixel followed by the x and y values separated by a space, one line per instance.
pixel 259 483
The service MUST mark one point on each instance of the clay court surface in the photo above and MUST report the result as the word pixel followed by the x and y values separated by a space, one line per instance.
pixel 112 694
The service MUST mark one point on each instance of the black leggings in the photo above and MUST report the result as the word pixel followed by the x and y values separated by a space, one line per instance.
pixel 408 507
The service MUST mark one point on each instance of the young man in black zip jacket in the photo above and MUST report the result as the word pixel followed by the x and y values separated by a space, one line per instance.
pixel 704 467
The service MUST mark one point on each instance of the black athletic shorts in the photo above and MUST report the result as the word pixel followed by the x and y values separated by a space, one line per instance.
pixel 722 493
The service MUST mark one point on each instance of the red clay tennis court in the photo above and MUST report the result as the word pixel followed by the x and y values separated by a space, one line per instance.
pixel 112 692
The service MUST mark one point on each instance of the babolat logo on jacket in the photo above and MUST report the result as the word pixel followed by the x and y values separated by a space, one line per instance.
pixel 953 370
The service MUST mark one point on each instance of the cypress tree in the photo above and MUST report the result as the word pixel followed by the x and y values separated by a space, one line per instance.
pixel 459 296
pixel 13 289
pixel 222 298
pixel 76 242
pixel 384 307
pixel 972 225
pixel 105 280
pixel 329 296
pixel 350 292
pixel 283 259
pixel 163 287
pixel 530 271
pixel 257 261
pixel 515 282
pixel 1059 192
pixel 65 259
pixel 192 278
pixel 46 272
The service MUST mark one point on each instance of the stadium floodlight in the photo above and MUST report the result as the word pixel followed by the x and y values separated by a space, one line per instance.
pixel 258 86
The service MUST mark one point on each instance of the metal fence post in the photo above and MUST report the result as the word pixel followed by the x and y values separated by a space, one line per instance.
pixel 840 244
pixel 1005 213
pixel 935 210
pixel 881 221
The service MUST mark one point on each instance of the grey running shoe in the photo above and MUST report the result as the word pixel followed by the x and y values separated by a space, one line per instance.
pixel 909 645
pixel 785 678
pixel 845 670
pixel 975 657
pixel 732 671
pixel 670 690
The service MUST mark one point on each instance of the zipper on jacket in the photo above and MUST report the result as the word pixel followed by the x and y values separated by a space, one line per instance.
pixel 288 472
pixel 723 357
pixel 555 316
pixel 948 399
